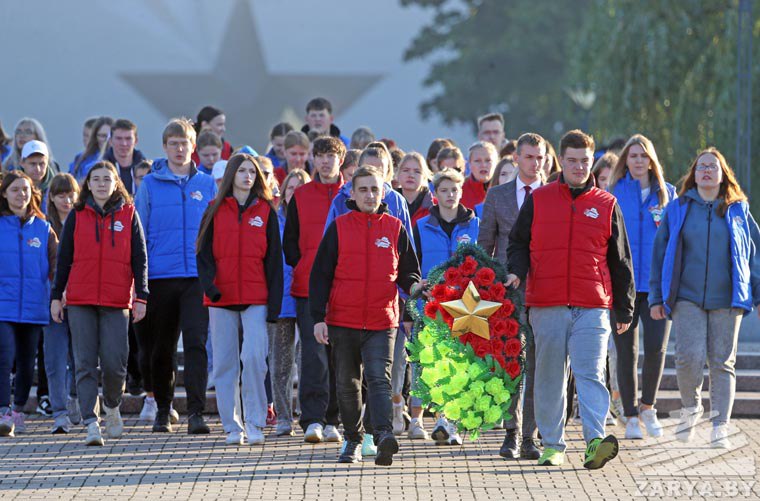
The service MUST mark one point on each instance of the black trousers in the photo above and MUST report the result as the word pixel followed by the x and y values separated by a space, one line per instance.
pixel 355 352
pixel 316 384
pixel 133 361
pixel 175 305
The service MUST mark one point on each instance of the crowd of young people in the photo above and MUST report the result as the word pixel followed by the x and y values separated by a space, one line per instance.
pixel 295 266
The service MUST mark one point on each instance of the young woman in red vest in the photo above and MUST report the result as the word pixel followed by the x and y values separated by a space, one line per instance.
pixel 240 268
pixel 102 255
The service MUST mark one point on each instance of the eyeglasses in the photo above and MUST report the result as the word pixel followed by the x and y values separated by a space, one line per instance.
pixel 24 132
pixel 178 144
pixel 704 167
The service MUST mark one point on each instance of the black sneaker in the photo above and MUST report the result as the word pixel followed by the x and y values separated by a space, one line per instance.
pixel 352 452
pixel 509 449
pixel 529 449
pixel 387 446
pixel 44 407
pixel 161 424
pixel 197 426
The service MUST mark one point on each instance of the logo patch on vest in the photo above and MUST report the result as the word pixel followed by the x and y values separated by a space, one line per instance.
pixel 656 213
pixel 34 242
pixel 592 213
pixel 117 226
pixel 196 195
pixel 383 243
pixel 464 239
pixel 256 221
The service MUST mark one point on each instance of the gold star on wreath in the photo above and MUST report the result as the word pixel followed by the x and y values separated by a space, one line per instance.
pixel 471 313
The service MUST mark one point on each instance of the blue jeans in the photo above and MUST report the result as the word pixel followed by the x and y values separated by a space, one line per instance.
pixel 59 365
pixel 19 342
pixel 582 335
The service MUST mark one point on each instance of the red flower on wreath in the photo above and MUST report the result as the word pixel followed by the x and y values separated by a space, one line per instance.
pixel 512 348
pixel 498 291
pixel 431 309
pixel 512 368
pixel 484 277
pixel 507 308
pixel 512 327
pixel 469 266
pixel 439 292
pixel 498 327
pixel 452 275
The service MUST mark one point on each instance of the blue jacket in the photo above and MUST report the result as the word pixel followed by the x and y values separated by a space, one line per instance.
pixel 171 210
pixel 5 151
pixel 436 246
pixel 745 272
pixel 479 209
pixel 288 309
pixel 273 157
pixel 642 217
pixel 81 172
pixel 396 203
pixel 24 271
pixel 204 169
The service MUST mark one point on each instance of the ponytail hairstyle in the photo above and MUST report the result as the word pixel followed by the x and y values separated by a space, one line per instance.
pixel 730 192
pixel 61 183
pixel 35 201
pixel 119 193
pixel 621 167
pixel 260 189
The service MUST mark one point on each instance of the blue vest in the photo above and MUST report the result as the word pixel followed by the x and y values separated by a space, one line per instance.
pixel 288 309
pixel 742 249
pixel 175 217
pixel 437 246
pixel 24 271
pixel 479 210
pixel 641 221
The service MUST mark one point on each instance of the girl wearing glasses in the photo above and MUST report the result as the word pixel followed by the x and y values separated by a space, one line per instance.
pixel 706 275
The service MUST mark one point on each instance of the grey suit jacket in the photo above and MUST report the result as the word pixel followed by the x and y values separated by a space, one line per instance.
pixel 499 215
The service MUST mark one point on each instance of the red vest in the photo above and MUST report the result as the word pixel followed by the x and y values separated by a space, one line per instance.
pixel 240 244
pixel 568 248
pixel 101 272
pixel 364 293
pixel 473 193
pixel 313 201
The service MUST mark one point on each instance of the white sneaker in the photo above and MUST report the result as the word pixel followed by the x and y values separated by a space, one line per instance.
pixel 149 410
pixel 616 407
pixel 454 438
pixel 313 433
pixel 689 419
pixel 255 435
pixel 61 425
pixel 93 434
pixel 719 437
pixel 441 431
pixel 75 413
pixel 234 438
pixel 173 415
pixel 417 430
pixel 610 421
pixel 331 434
pixel 633 429
pixel 113 421
pixel 398 418
pixel 652 424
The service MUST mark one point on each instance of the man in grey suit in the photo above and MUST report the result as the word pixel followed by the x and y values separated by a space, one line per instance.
pixel 500 211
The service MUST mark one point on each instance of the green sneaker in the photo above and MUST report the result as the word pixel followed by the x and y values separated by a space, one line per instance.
pixel 551 457
pixel 599 451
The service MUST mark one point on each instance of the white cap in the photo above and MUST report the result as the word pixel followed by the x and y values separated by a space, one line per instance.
pixel 32 147
pixel 218 170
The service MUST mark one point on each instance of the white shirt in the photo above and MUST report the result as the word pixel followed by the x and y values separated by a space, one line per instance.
pixel 520 187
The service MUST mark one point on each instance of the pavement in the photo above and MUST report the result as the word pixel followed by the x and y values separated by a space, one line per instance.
pixel 142 465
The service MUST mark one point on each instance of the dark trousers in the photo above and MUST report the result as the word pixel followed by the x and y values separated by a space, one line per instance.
pixel 176 304
pixel 133 362
pixel 656 333
pixel 42 381
pixel 523 415
pixel 17 342
pixel 316 384
pixel 355 351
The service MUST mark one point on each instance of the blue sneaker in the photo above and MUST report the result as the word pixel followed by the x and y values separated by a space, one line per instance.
pixel 368 446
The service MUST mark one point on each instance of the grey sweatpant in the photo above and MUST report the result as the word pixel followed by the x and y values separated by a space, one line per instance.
pixel 99 333
pixel 706 336
pixel 282 359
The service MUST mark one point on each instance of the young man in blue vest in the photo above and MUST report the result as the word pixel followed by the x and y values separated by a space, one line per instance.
pixel 436 237
pixel 570 242
pixel 171 201
pixel 364 257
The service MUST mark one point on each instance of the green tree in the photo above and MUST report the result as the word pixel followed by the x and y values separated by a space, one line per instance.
pixel 666 69
pixel 499 55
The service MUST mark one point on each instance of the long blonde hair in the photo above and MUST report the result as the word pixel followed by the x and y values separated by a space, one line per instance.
pixel 621 167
